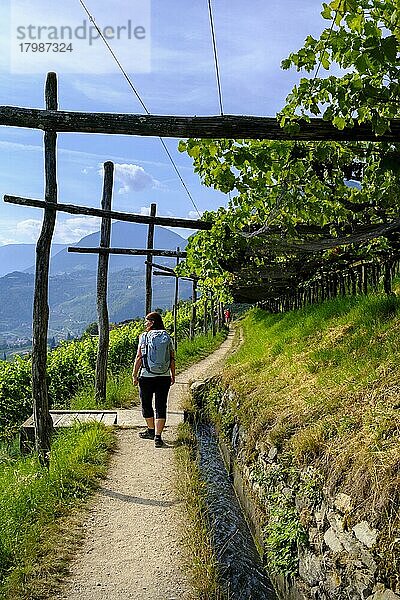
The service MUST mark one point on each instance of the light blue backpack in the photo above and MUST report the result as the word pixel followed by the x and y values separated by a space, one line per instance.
pixel 156 351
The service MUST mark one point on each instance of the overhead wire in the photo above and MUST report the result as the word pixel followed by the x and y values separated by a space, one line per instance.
pixel 129 81
pixel 210 12
pixel 216 63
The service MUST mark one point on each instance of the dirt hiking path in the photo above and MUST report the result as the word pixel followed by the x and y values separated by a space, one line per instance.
pixel 135 525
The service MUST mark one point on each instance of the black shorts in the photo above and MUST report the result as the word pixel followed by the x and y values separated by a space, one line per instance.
pixel 159 387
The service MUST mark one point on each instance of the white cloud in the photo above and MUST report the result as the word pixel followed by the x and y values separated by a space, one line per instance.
pixel 132 178
pixel 68 231
pixel 28 230
pixel 73 229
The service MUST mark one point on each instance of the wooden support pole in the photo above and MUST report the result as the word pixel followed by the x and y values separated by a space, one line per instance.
pixel 218 310
pixel 112 214
pixel 222 315
pixel 223 127
pixel 176 300
pixel 102 280
pixel 150 246
pixel 205 320
pixel 192 329
pixel 41 414
pixel 387 279
pixel 212 306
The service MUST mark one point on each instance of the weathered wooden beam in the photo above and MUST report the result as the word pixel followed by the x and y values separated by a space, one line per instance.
pixel 150 246
pixel 42 418
pixel 163 268
pixel 112 214
pixel 226 126
pixel 102 281
pixel 132 251
pixel 161 274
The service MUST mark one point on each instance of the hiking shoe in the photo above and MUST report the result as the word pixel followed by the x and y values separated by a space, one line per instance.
pixel 158 443
pixel 148 434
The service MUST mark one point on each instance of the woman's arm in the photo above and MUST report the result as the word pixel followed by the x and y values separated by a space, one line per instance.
pixel 136 366
pixel 172 367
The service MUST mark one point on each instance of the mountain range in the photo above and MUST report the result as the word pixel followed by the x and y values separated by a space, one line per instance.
pixel 72 283
pixel 19 257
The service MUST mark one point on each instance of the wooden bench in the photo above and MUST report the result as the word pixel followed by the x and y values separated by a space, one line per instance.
pixel 64 418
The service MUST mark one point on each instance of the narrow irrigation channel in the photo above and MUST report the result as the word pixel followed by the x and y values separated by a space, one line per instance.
pixel 241 571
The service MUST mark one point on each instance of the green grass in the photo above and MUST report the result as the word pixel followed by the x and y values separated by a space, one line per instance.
pixel 191 351
pixel 202 563
pixel 38 527
pixel 120 393
pixel 322 384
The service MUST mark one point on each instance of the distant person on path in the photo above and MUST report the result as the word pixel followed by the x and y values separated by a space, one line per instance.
pixel 227 316
pixel 154 372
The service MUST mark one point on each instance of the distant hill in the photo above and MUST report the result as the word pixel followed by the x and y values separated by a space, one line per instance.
pixel 124 235
pixel 19 257
pixel 72 284
pixel 72 300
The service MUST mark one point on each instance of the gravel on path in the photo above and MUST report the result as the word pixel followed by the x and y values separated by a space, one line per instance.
pixel 132 547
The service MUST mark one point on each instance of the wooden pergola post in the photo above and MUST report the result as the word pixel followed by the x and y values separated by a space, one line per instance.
pixel 205 321
pixel 41 414
pixel 176 300
pixel 150 246
pixel 193 311
pixel 212 306
pixel 102 281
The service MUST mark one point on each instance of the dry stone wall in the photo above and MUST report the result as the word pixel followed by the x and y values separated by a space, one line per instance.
pixel 311 548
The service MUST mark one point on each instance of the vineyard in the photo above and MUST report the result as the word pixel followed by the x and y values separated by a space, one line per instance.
pixel 71 368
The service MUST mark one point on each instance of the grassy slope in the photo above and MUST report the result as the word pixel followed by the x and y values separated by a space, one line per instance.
pixel 38 522
pixel 323 386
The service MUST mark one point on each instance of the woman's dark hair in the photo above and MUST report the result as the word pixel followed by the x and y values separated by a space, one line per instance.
pixel 156 320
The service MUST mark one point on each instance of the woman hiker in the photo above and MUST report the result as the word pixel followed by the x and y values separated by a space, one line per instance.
pixel 154 372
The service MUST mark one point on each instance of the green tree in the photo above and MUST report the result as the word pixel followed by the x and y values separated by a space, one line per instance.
pixel 284 191
pixel 363 40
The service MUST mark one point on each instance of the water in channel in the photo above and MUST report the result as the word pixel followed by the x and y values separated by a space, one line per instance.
pixel 241 572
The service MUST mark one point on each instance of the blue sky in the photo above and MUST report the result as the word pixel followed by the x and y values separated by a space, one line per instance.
pixel 252 37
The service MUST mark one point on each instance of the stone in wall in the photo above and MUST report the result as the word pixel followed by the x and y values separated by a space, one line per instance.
pixel 339 562
pixel 343 503
pixel 365 534
pixel 382 593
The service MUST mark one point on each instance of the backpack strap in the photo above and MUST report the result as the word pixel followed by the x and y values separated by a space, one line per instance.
pixel 144 355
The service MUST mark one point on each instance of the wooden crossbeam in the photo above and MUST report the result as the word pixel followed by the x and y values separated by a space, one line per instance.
pixel 162 268
pixel 161 274
pixel 111 214
pixel 226 126
pixel 130 251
